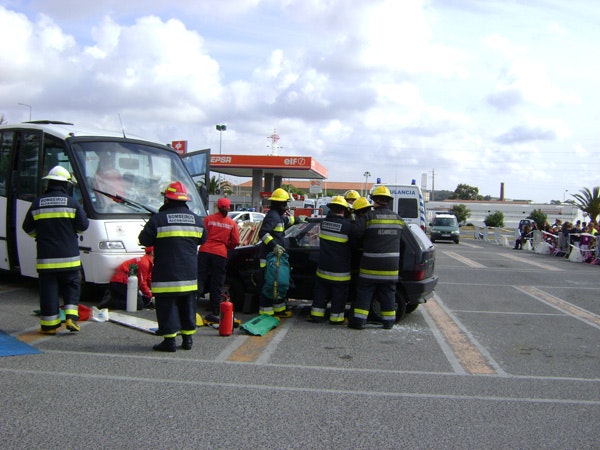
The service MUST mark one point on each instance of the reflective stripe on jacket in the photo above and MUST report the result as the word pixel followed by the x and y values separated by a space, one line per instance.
pixel 54 219
pixel 175 232
pixel 380 230
pixel 335 255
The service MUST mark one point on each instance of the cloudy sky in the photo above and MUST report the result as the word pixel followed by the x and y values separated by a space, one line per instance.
pixel 474 91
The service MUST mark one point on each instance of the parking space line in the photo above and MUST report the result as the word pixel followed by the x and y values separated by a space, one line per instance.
pixel 467 261
pixel 530 262
pixel 469 355
pixel 258 349
pixel 562 305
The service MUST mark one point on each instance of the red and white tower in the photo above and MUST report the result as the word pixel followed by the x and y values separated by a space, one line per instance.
pixel 274 140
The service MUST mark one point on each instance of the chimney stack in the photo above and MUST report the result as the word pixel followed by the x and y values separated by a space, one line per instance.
pixel 502 191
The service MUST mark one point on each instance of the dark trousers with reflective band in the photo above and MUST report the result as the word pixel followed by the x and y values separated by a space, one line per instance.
pixel 53 285
pixel 176 313
pixel 213 266
pixel 266 305
pixel 325 291
pixel 366 291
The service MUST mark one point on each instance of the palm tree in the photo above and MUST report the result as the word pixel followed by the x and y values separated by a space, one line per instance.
pixel 589 202
pixel 225 186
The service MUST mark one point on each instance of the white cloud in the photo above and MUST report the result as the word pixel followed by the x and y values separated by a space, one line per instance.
pixel 397 88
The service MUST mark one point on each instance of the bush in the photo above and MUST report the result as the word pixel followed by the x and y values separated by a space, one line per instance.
pixel 461 212
pixel 538 217
pixel 495 219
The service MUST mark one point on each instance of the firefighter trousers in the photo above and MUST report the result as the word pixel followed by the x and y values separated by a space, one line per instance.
pixel 53 285
pixel 176 313
pixel 367 290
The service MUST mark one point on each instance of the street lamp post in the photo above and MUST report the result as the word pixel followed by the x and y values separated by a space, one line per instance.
pixel 27 106
pixel 366 175
pixel 220 129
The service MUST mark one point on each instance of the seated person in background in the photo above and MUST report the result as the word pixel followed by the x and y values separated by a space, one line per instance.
pixel 526 233
pixel 585 240
pixel 116 295
pixel 108 179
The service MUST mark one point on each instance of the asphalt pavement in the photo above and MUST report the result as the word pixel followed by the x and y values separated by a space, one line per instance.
pixel 506 355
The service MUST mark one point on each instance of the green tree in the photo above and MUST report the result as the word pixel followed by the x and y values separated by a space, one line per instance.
pixel 589 202
pixel 495 219
pixel 223 186
pixel 466 192
pixel 538 217
pixel 461 212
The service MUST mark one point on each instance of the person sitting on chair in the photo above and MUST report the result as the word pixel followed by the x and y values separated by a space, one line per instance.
pixel 526 233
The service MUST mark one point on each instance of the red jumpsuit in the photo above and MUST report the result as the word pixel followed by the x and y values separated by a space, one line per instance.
pixel 144 274
pixel 223 234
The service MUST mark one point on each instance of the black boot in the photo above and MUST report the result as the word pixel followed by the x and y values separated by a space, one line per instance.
pixel 187 342
pixel 167 345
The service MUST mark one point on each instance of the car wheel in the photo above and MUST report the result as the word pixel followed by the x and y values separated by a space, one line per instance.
pixel 375 313
pixel 411 307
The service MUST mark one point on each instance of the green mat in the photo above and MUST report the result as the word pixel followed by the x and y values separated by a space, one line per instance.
pixel 260 325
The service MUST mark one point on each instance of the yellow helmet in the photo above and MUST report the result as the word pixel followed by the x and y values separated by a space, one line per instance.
pixel 381 191
pixel 361 203
pixel 351 195
pixel 58 173
pixel 279 195
pixel 338 200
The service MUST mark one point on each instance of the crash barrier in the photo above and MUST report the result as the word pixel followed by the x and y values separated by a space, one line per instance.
pixel 543 243
pixel 482 233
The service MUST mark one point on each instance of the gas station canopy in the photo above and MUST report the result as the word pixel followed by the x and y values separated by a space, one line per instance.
pixel 278 166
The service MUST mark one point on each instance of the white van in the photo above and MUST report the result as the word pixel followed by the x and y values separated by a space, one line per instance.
pixel 120 183
pixel 408 203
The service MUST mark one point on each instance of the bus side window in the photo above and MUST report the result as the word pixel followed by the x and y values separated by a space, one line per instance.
pixel 5 149
pixel 55 154
pixel 27 156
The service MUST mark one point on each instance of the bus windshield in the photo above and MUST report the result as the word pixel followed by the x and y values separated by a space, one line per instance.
pixel 132 170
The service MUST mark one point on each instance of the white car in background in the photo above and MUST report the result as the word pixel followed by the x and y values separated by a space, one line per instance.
pixel 246 216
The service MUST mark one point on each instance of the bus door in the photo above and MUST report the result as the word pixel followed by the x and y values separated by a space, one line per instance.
pixel 35 154
pixel 23 187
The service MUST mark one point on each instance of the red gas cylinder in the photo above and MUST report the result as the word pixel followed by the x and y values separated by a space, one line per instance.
pixel 226 317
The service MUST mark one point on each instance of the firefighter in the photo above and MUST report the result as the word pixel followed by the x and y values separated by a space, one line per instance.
pixel 333 270
pixel 351 196
pixel 360 207
pixel 54 220
pixel 379 230
pixel 271 235
pixel 223 235
pixel 175 232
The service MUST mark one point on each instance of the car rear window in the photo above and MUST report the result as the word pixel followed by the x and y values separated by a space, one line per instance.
pixel 421 237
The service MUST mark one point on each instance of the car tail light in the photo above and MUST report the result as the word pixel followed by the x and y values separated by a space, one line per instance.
pixel 419 272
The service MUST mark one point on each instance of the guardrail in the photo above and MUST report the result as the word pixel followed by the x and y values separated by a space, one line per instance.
pixel 544 243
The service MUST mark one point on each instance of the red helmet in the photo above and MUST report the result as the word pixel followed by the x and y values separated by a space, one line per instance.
pixel 177 191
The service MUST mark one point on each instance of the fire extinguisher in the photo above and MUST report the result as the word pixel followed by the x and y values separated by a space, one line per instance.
pixel 226 316
pixel 132 289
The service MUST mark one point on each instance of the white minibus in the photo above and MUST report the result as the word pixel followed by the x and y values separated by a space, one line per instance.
pixel 408 203
pixel 120 181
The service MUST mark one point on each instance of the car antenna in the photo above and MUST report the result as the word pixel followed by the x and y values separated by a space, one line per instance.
pixel 122 127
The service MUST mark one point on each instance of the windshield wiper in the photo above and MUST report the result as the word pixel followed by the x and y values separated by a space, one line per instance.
pixel 118 199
